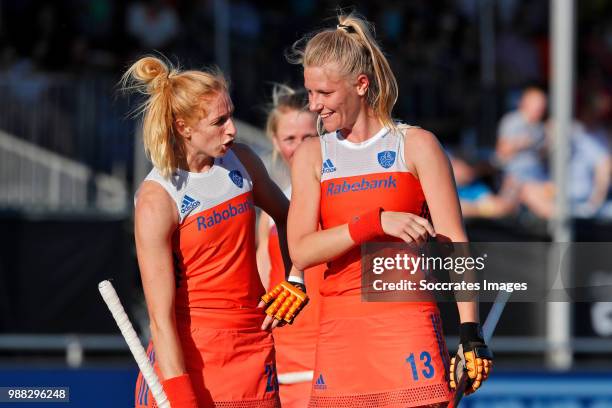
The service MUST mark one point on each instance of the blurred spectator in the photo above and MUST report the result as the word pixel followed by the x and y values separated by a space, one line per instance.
pixel 437 45
pixel 153 23
pixel 476 198
pixel 520 143
pixel 588 179
pixel 595 106
pixel 589 173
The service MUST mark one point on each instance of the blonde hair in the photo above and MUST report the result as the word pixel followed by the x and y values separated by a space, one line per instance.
pixel 351 45
pixel 284 99
pixel 170 94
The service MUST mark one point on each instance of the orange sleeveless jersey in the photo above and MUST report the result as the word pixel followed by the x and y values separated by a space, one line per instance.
pixel 214 245
pixel 356 178
pixel 229 359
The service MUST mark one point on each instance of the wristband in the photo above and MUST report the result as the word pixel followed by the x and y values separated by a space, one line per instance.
pixel 295 279
pixel 297 282
pixel 470 335
pixel 367 226
pixel 179 391
pixel 470 332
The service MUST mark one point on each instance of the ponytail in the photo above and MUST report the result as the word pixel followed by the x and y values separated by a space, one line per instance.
pixel 352 46
pixel 169 94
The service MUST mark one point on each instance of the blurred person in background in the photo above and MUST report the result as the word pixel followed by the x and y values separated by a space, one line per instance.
pixel 154 24
pixel 594 107
pixel 361 348
pixel 476 197
pixel 289 123
pixel 521 146
pixel 521 141
pixel 588 178
pixel 195 241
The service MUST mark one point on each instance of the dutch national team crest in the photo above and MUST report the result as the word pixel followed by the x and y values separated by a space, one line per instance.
pixel 386 158
pixel 237 178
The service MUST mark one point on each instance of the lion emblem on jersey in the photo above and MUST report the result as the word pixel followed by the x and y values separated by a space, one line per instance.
pixel 386 158
pixel 237 178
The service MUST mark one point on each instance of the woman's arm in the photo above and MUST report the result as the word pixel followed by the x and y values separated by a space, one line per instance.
pixel 427 159
pixel 155 221
pixel 263 256
pixel 267 196
pixel 308 245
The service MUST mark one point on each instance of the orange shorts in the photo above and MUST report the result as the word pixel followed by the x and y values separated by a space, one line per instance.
pixel 229 359
pixel 295 344
pixel 379 354
pixel 295 353
pixel 295 395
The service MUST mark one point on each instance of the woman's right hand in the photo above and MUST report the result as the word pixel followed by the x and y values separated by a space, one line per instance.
pixel 406 226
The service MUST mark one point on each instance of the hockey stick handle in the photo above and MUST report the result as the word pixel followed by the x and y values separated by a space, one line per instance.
pixel 295 377
pixel 488 328
pixel 131 338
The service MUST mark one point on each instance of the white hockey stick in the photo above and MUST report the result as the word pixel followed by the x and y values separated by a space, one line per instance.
pixel 487 332
pixel 295 377
pixel 131 338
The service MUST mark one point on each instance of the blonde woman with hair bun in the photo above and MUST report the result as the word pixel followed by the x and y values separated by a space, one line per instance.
pixel 195 241
pixel 289 124
pixel 369 178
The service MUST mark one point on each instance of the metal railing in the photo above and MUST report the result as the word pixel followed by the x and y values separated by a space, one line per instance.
pixel 33 178
pixel 76 346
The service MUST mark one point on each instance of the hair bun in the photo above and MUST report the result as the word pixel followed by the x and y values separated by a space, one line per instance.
pixel 149 68
pixel 152 72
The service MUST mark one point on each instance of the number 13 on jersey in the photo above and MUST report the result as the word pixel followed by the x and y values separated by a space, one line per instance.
pixel 423 366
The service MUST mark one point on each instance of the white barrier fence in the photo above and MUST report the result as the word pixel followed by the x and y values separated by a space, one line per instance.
pixel 33 178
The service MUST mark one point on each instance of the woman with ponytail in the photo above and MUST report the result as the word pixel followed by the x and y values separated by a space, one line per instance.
pixel 401 189
pixel 195 241
pixel 289 124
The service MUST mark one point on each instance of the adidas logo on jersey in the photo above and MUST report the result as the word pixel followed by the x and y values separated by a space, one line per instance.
pixel 320 383
pixel 328 167
pixel 188 204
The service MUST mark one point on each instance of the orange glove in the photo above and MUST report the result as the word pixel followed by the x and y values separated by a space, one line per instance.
pixel 473 359
pixel 285 301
